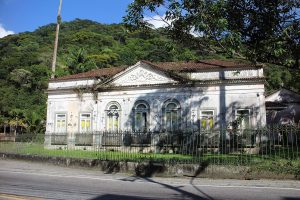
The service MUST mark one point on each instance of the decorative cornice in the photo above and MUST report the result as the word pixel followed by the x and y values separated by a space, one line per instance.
pixel 101 88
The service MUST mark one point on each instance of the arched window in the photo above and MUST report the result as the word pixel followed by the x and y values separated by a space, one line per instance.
pixel 113 116
pixel 141 116
pixel 171 112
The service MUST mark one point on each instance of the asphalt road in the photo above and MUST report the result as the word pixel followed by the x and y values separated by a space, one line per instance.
pixel 26 180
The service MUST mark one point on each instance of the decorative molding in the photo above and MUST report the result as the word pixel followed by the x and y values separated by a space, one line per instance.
pixel 142 76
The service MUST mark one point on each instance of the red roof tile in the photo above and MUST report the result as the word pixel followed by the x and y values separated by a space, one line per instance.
pixel 165 66
pixel 98 73
pixel 201 65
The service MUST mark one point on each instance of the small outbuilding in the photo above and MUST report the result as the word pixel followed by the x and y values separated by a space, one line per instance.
pixel 283 108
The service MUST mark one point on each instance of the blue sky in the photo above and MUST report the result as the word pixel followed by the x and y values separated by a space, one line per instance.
pixel 27 15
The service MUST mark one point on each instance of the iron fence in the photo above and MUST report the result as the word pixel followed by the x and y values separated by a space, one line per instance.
pixel 220 146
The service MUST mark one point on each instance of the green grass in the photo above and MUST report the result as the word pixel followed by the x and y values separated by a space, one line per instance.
pixel 38 149
pixel 274 162
pixel 233 159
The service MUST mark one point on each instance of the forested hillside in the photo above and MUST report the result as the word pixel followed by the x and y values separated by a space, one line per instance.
pixel 25 62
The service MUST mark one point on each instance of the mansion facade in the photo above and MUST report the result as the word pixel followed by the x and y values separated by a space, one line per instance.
pixel 157 97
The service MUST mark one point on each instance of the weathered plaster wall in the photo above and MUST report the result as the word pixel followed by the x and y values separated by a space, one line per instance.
pixel 191 100
pixel 227 74
pixel 224 99
pixel 71 83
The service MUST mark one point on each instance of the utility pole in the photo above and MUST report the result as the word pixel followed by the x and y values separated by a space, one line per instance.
pixel 56 41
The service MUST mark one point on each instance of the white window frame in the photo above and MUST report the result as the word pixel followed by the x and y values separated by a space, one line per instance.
pixel 177 110
pixel 241 126
pixel 201 115
pixel 60 129
pixel 115 114
pixel 145 111
pixel 86 119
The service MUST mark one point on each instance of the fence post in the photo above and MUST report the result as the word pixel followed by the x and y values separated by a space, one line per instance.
pixel 222 144
pixel 154 142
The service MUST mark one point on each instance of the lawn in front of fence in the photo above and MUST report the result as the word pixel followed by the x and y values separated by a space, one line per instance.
pixel 38 149
pixel 269 149
pixel 274 162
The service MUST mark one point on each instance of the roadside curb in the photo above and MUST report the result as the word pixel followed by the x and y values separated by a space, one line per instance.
pixel 159 169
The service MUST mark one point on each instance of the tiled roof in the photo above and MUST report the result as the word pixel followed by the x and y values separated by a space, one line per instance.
pixel 202 65
pixel 165 66
pixel 98 73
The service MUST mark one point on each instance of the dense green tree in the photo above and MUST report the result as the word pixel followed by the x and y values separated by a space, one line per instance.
pixel 106 58
pixel 78 61
pixel 34 123
pixel 277 77
pixel 269 29
pixel 264 31
pixel 21 77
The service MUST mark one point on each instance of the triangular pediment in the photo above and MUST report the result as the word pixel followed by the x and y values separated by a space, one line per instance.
pixel 141 74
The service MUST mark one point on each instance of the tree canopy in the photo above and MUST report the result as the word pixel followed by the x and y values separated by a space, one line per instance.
pixel 258 30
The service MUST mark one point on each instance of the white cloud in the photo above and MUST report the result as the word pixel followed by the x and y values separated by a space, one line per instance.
pixel 195 33
pixel 4 32
pixel 157 21
pixel 160 21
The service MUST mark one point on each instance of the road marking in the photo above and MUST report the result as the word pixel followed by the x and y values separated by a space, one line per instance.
pixel 249 187
pixel 17 197
pixel 151 181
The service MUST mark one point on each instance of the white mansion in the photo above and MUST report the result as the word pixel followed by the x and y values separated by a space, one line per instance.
pixel 157 97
